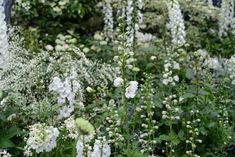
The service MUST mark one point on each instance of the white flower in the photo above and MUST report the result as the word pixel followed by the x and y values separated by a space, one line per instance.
pixel 118 82
pixel 176 66
pixel 79 148
pixel 214 64
pixel 41 138
pixel 165 81
pixel 131 89
pixel 4 153
pixel 108 19
pixel 49 47
pixel 70 126
pixel 226 16
pixel 176 78
pixel 101 149
pixel 176 23
pixel 66 111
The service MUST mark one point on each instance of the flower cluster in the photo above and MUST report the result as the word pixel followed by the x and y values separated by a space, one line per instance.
pixel 146 112
pixel 168 74
pixel 3 36
pixel 42 138
pixel 67 91
pixel 63 43
pixel 4 153
pixel 70 126
pixel 176 23
pixel 172 110
pixel 231 68
pixel 193 131
pixel 226 16
pixel 108 19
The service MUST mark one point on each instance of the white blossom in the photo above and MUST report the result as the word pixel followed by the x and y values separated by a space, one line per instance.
pixel 4 153
pixel 118 82
pixel 108 19
pixel 131 89
pixel 41 138
pixel 79 148
pixel 176 23
pixel 226 16
pixel 101 149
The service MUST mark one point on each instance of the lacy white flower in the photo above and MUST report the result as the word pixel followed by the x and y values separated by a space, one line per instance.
pixel 176 23
pixel 118 82
pixel 3 37
pixel 42 138
pixel 101 149
pixel 4 153
pixel 131 89
pixel 70 126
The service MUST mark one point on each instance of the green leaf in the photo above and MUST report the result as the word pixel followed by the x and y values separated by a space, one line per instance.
pixel 188 95
pixel 13 131
pixel 6 143
pixel 203 92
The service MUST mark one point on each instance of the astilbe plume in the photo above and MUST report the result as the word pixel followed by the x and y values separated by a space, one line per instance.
pixel 176 23
pixel 3 37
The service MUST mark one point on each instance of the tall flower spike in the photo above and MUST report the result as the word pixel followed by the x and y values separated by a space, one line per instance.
pixel 3 36
pixel 129 22
pixel 226 16
pixel 176 23
pixel 108 19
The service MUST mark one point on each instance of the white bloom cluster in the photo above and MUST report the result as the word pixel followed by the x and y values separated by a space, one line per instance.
pixel 168 77
pixel 42 138
pixel 70 126
pixel 67 91
pixel 193 132
pixel 4 153
pixel 101 149
pixel 108 19
pixel 63 43
pixel 134 19
pixel 231 68
pixel 131 89
pixel 176 23
pixel 172 110
pixel 3 36
pixel 144 37
pixel 226 16
pixel 130 32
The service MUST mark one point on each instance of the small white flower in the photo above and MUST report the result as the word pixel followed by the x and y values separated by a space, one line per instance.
pixel 176 78
pixel 49 47
pixel 131 89
pixel 165 81
pixel 118 82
